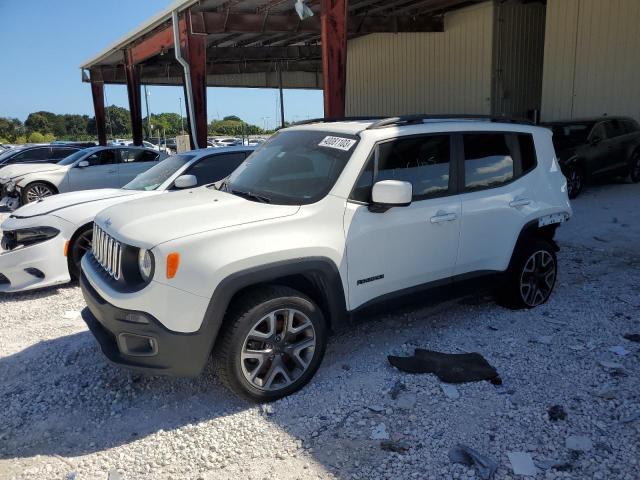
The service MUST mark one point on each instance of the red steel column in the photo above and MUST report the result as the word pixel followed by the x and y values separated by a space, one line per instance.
pixel 135 102
pixel 195 52
pixel 97 91
pixel 333 22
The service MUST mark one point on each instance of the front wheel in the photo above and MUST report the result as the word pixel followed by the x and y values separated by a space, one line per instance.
pixel 634 168
pixel 78 247
pixel 531 276
pixel 37 191
pixel 272 344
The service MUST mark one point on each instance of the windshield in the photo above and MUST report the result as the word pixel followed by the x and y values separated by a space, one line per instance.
pixel 158 174
pixel 71 159
pixel 294 167
pixel 570 134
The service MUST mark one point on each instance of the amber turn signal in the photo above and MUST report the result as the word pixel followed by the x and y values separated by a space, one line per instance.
pixel 173 262
pixel 66 248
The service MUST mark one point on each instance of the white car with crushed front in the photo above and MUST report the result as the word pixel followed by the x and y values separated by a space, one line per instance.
pixel 90 168
pixel 321 222
pixel 43 242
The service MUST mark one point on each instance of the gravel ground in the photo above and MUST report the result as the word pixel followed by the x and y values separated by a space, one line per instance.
pixel 65 413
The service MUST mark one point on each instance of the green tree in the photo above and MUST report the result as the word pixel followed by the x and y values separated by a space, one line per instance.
pixel 118 122
pixel 75 126
pixel 46 122
pixel 10 129
pixel 36 137
pixel 168 123
pixel 233 125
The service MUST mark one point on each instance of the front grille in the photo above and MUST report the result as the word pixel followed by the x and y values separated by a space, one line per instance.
pixel 107 251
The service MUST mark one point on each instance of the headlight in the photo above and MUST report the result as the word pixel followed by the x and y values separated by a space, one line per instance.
pixel 10 186
pixel 27 236
pixel 145 264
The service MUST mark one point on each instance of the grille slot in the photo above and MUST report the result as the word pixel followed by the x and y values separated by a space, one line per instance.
pixel 107 251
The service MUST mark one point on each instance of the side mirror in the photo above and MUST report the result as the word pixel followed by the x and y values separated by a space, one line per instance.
pixel 83 164
pixel 595 140
pixel 390 193
pixel 186 181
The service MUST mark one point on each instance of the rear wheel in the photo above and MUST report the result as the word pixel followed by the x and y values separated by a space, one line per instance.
pixel 37 191
pixel 575 181
pixel 272 345
pixel 634 168
pixel 531 276
pixel 80 244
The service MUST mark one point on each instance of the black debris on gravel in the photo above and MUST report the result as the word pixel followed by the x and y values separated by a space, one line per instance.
pixel 556 412
pixel 448 367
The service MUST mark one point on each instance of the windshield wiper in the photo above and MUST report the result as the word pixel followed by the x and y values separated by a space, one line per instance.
pixel 251 196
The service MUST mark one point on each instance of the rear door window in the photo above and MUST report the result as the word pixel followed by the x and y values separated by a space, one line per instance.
pixel 488 161
pixel 495 159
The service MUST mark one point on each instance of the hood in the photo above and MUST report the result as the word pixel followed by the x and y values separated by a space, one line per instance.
pixel 21 169
pixel 148 222
pixel 56 203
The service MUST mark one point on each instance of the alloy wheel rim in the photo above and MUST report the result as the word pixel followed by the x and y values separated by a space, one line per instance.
pixel 38 192
pixel 538 278
pixel 636 168
pixel 278 349
pixel 574 181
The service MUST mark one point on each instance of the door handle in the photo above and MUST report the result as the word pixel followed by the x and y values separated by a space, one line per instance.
pixel 523 202
pixel 444 217
pixel 111 171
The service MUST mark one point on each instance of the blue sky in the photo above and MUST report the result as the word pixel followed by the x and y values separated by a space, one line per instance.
pixel 56 36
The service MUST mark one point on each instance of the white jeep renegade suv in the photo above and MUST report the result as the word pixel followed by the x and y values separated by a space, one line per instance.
pixel 322 221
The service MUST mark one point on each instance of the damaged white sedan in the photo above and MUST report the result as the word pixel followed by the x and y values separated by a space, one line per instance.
pixel 44 241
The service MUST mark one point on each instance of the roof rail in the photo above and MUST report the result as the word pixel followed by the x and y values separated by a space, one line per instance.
pixel 336 119
pixel 417 119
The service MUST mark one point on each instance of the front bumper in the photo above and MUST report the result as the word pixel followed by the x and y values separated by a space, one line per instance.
pixel 36 266
pixel 149 347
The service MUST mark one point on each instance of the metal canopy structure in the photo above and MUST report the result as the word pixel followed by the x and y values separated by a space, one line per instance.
pixel 251 43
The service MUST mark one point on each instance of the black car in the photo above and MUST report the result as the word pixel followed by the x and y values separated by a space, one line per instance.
pixel 37 154
pixel 596 147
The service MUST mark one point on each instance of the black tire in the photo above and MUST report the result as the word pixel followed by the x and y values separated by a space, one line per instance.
pixel 37 190
pixel 244 318
pixel 634 167
pixel 518 291
pixel 575 181
pixel 79 244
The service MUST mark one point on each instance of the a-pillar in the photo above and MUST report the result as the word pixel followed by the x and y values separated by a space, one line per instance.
pixel 334 56
pixel 135 101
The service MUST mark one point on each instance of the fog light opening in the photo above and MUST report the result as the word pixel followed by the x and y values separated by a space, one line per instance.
pixel 137 345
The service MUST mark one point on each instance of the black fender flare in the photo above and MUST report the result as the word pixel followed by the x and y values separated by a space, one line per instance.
pixel 532 230
pixel 320 271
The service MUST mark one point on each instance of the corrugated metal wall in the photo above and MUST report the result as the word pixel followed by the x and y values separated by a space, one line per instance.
pixel 518 57
pixel 592 59
pixel 449 72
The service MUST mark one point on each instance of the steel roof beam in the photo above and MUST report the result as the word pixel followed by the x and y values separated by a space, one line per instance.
pixel 216 23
